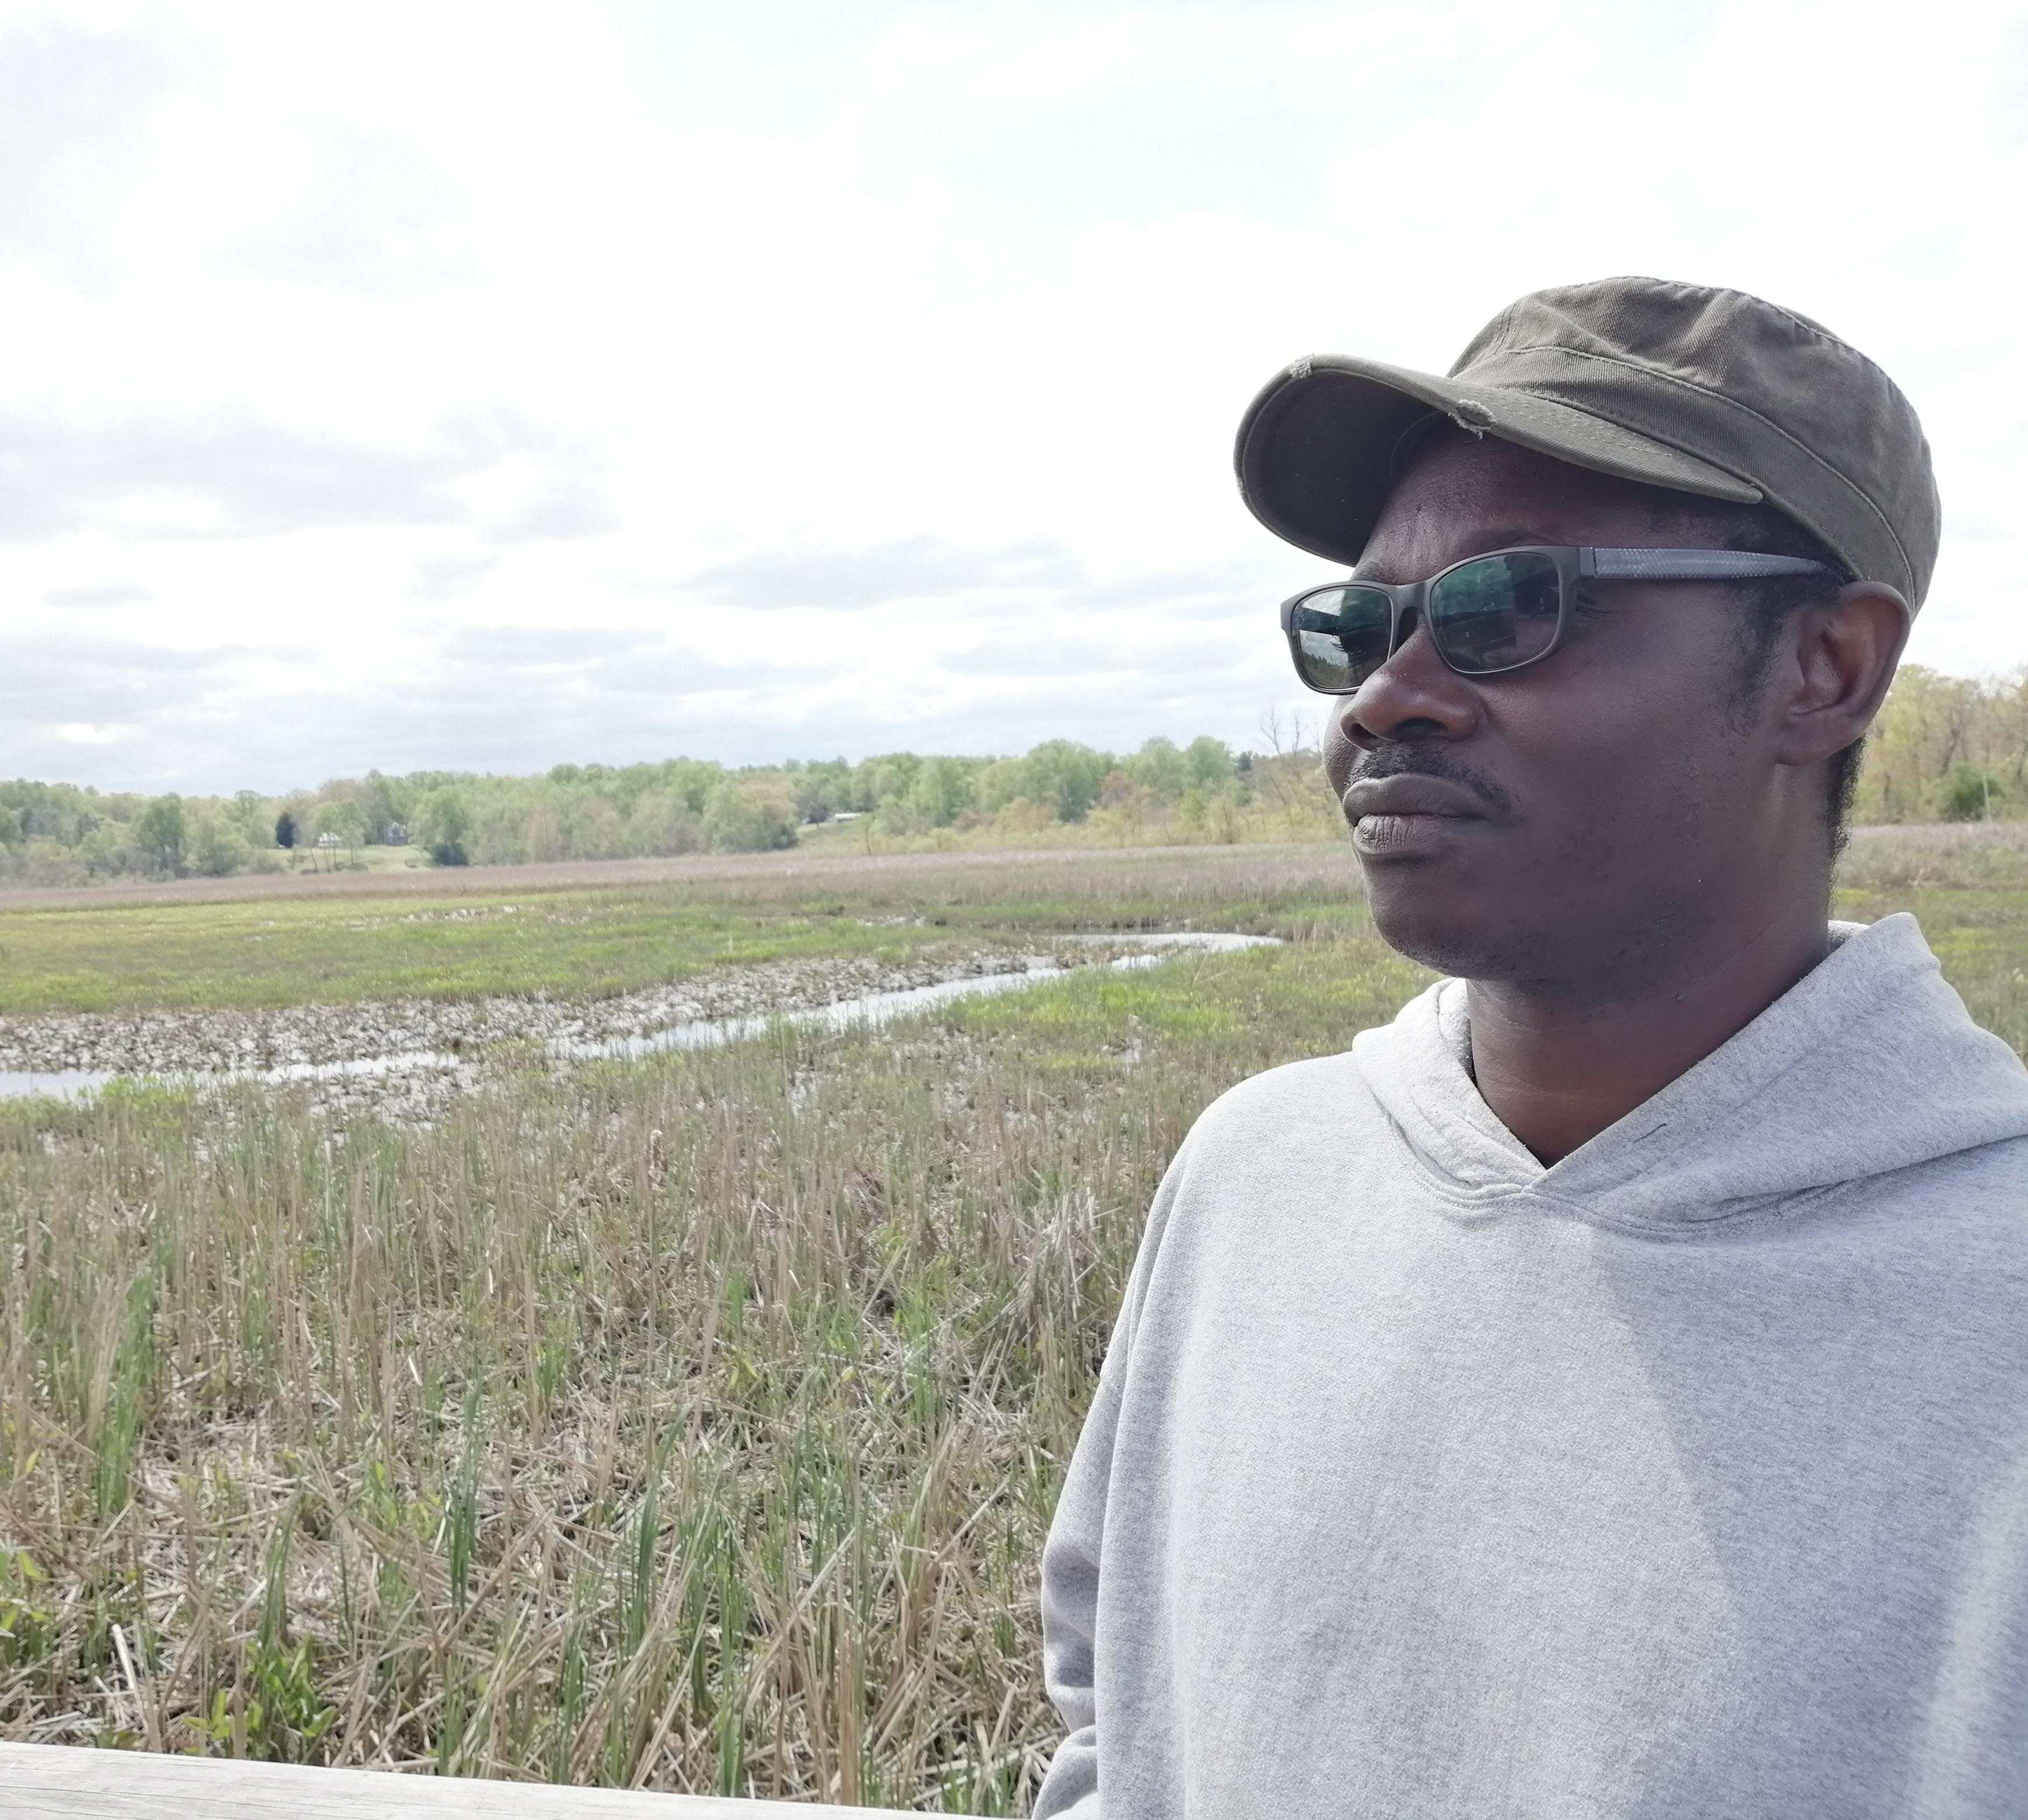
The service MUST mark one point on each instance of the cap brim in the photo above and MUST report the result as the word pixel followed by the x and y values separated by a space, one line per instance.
pixel 1316 452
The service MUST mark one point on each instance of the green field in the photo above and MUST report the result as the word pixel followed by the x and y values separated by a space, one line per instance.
pixel 287 947
pixel 693 1423
pixel 242 956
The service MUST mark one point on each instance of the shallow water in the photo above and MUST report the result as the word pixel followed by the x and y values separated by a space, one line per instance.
pixel 870 1010
pixel 55 1084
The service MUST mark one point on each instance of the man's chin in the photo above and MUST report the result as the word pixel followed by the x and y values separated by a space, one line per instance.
pixel 1422 915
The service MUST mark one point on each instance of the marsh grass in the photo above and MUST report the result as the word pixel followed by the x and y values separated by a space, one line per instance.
pixel 689 1425
pixel 1967 885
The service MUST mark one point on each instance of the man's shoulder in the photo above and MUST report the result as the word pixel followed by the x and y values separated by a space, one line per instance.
pixel 1289 1083
pixel 1270 1155
pixel 1295 1095
pixel 1984 1187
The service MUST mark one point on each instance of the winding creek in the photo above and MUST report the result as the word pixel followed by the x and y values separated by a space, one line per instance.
pixel 459 1065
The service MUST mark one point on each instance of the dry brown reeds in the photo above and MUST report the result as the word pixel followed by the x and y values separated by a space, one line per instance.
pixel 691 1425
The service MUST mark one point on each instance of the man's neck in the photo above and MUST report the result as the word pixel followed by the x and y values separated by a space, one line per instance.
pixel 1557 1067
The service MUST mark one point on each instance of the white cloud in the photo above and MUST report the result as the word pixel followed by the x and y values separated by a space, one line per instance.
pixel 916 568
pixel 102 594
pixel 378 219
pixel 445 578
pixel 560 381
pixel 75 106
pixel 233 473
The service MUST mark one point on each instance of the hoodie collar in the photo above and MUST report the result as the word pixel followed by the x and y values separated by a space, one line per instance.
pixel 1869 1064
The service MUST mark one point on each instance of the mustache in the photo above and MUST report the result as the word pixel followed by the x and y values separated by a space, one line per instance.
pixel 1416 759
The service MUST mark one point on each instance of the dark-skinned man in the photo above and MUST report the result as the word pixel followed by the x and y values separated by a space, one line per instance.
pixel 1604 1391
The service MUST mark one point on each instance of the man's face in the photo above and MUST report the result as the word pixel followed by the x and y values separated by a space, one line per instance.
pixel 1589 813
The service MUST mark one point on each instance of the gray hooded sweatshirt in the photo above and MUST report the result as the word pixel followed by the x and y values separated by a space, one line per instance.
pixel 1688 1477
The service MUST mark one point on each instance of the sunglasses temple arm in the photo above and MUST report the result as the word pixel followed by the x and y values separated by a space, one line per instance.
pixel 1691 565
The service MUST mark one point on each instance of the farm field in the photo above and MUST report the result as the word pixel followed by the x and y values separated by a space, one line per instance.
pixel 690 1422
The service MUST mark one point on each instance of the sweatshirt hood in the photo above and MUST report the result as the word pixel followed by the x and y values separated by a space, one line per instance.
pixel 1869 1064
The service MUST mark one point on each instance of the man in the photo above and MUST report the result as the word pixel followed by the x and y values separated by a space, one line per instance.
pixel 1604 1391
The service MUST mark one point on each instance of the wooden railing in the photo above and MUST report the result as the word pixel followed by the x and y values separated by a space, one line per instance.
pixel 72 1782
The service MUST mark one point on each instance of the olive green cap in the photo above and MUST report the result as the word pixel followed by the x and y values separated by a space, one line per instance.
pixel 1710 392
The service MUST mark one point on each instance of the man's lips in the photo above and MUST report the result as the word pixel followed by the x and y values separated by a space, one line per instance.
pixel 1407 794
pixel 1410 817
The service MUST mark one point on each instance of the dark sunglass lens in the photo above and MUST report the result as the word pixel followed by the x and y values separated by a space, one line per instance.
pixel 1497 613
pixel 1339 637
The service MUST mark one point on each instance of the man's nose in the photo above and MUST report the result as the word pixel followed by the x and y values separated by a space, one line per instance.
pixel 1411 696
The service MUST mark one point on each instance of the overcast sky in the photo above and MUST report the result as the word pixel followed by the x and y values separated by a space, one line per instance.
pixel 494 384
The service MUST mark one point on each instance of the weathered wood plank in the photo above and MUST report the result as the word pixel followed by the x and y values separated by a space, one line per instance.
pixel 66 1782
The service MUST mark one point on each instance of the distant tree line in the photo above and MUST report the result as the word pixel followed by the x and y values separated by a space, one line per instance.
pixel 1201 791
pixel 1950 748
pixel 1944 748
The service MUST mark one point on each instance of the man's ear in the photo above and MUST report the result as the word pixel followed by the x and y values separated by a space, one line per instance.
pixel 1842 659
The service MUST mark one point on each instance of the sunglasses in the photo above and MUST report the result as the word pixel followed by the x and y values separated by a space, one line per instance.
pixel 1491 614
